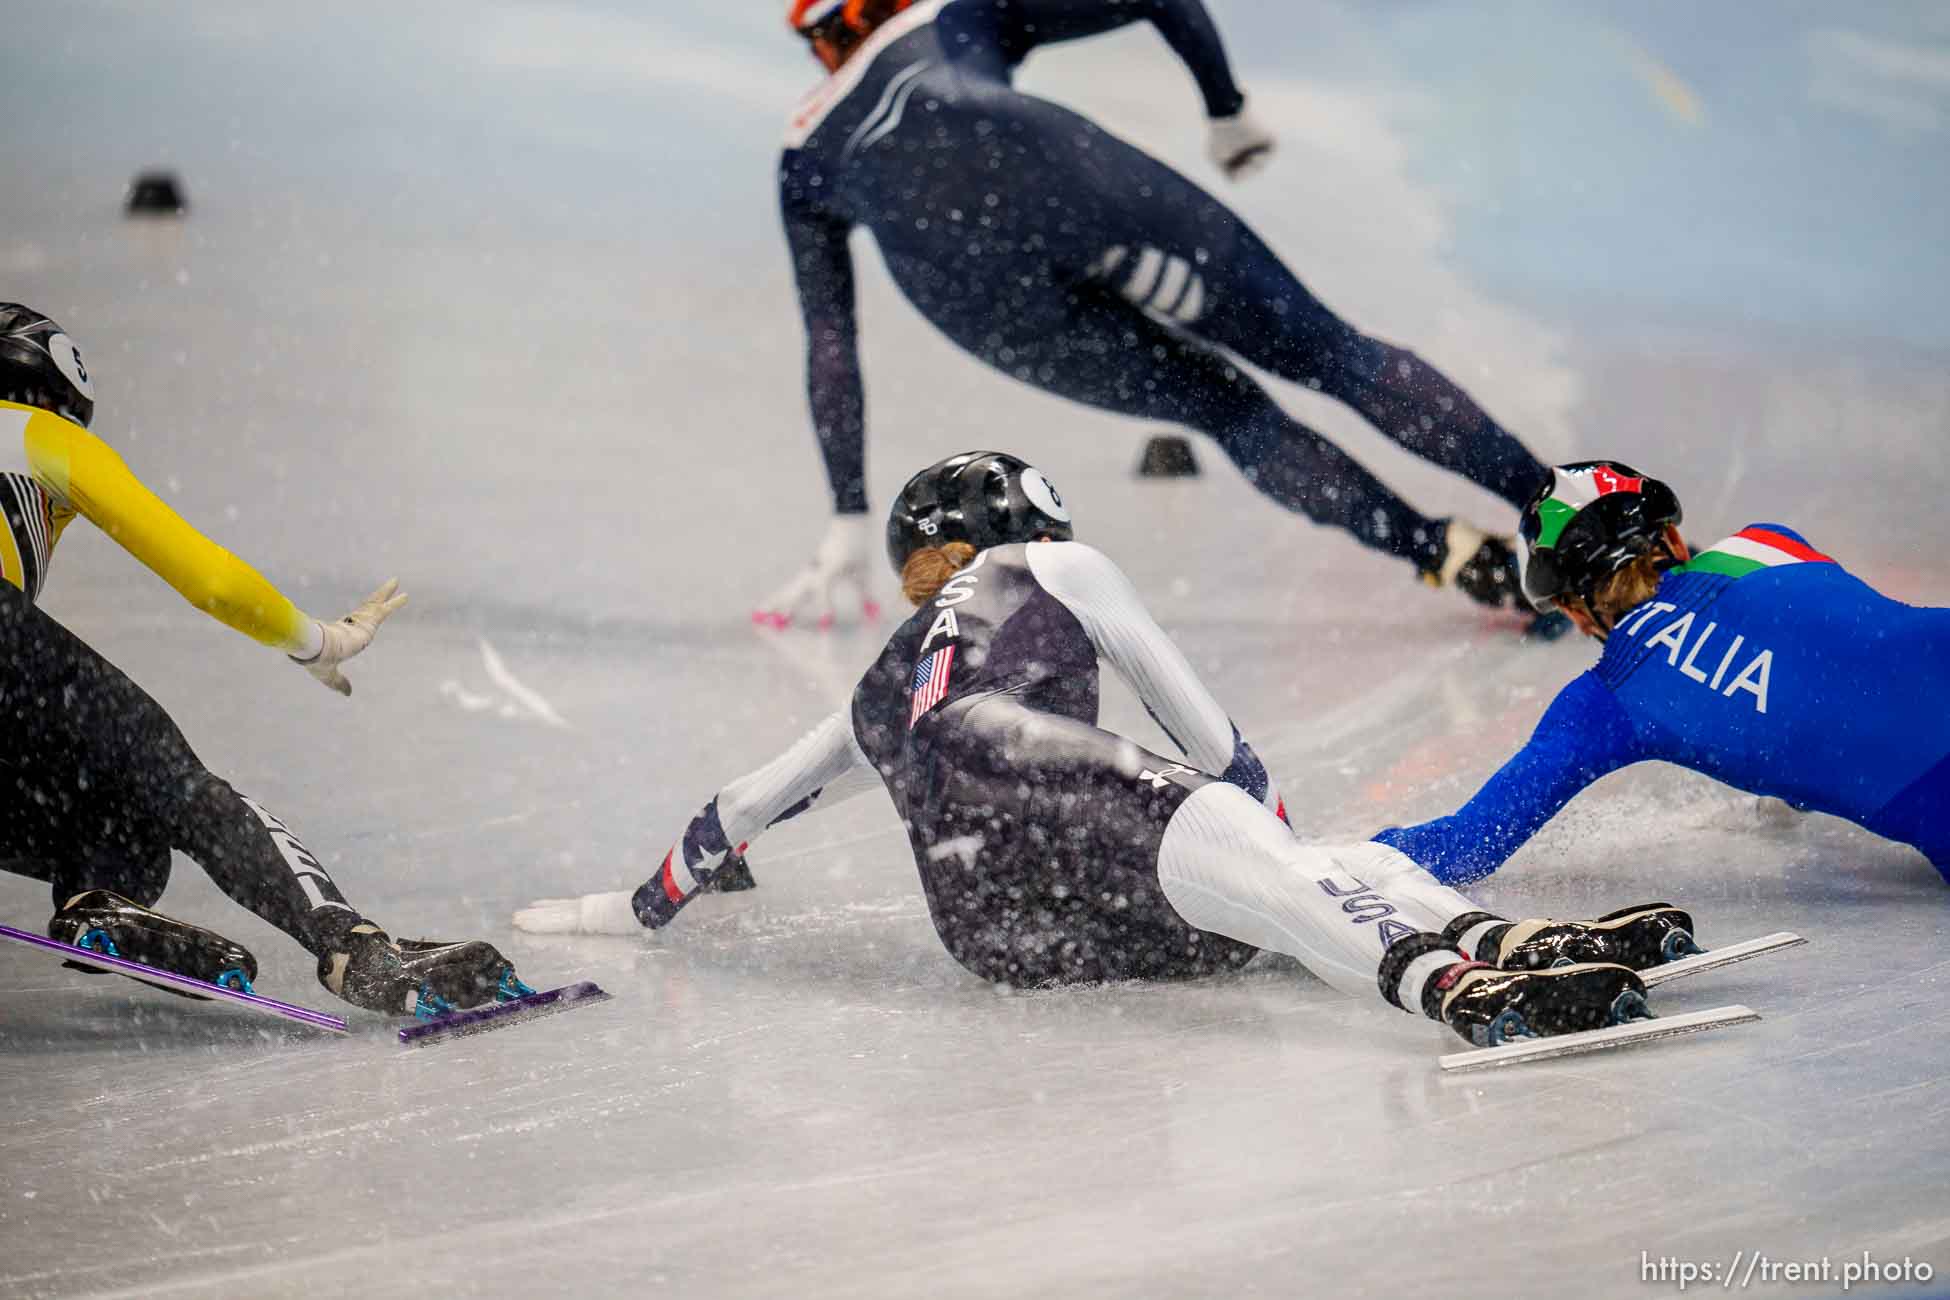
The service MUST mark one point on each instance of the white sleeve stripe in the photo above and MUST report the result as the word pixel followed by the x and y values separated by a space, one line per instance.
pixel 680 871
pixel 753 802
pixel 1130 640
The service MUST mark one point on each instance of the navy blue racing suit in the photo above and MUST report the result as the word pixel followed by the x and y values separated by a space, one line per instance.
pixel 1063 256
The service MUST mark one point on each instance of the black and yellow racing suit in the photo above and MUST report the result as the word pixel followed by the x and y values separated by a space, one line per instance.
pixel 97 784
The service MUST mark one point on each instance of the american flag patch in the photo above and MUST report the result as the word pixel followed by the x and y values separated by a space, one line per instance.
pixel 930 682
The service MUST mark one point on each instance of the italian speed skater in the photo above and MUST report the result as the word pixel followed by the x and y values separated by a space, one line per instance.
pixel 1760 661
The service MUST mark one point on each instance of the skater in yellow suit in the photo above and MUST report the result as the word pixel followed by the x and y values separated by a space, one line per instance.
pixel 97 785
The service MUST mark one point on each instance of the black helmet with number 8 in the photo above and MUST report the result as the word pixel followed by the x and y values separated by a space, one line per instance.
pixel 40 367
pixel 983 498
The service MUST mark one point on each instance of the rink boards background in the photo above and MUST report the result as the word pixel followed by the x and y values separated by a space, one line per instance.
pixel 492 299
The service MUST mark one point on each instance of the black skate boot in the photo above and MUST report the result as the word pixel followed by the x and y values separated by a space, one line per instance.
pixel 467 973
pixel 114 926
pixel 1481 566
pixel 1490 1007
pixel 1641 937
pixel 1484 568
pixel 418 977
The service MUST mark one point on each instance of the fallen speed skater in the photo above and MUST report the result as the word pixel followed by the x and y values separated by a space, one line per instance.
pixel 1759 661
pixel 1054 852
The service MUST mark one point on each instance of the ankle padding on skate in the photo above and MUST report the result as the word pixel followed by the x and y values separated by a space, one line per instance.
pixel 1401 955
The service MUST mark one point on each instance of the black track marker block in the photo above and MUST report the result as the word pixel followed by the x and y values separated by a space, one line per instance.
pixel 156 194
pixel 1168 456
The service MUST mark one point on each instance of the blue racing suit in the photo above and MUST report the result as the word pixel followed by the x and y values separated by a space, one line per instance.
pixel 1063 256
pixel 1763 664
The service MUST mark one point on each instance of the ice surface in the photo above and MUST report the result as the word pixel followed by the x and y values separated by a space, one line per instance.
pixel 491 298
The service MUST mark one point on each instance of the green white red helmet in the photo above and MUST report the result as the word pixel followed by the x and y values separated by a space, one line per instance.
pixel 1591 519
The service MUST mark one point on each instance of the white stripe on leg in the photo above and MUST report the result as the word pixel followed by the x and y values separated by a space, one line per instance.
pixel 1228 865
pixel 1145 278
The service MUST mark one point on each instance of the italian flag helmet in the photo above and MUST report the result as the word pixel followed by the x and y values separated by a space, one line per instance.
pixel 1588 521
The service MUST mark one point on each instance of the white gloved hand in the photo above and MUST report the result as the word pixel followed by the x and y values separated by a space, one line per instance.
pixel 340 641
pixel 840 564
pixel 1239 144
pixel 590 914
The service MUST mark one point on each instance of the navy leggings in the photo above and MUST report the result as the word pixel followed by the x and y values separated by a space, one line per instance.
pixel 1150 327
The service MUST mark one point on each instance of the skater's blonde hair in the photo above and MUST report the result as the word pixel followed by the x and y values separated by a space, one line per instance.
pixel 928 570
pixel 1630 587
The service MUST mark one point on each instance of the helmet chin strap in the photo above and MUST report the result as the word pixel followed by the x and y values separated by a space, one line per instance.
pixel 1603 625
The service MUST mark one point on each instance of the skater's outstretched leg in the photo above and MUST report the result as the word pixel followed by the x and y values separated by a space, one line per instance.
pixel 1229 866
pixel 104 786
pixel 255 858
pixel 1364 917
pixel 1197 266
pixel 1257 309
pixel 1092 346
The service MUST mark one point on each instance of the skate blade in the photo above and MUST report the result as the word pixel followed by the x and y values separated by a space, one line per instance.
pixel 87 969
pixel 480 1020
pixel 171 982
pixel 1701 962
pixel 1597 1040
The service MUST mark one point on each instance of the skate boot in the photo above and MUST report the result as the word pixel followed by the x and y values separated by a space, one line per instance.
pixel 1490 1007
pixel 114 926
pixel 1484 568
pixel 418 977
pixel 1640 938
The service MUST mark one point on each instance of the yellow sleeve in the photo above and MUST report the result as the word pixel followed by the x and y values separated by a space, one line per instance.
pixel 83 470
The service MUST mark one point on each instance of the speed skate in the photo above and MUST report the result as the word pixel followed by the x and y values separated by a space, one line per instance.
pixel 1597 1040
pixel 531 1005
pixel 1645 1030
pixel 517 1002
pixel 1716 958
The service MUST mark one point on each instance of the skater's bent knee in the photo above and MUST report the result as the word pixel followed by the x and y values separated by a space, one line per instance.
pixel 203 792
pixel 1221 822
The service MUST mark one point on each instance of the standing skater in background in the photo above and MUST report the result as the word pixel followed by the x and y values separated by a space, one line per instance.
pixel 1760 662
pixel 1064 257
pixel 1054 852
pixel 99 785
